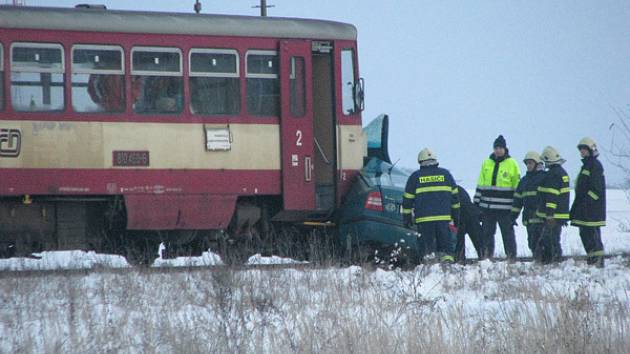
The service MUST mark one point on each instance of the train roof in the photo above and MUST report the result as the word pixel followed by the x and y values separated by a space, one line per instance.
pixel 102 20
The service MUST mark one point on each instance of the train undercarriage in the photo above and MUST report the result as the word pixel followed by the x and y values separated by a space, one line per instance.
pixel 31 225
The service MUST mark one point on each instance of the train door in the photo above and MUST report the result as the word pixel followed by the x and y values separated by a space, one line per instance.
pixel 324 131
pixel 296 126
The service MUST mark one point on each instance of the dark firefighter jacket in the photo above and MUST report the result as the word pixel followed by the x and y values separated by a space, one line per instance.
pixel 589 206
pixel 553 194
pixel 526 197
pixel 468 212
pixel 431 193
pixel 496 184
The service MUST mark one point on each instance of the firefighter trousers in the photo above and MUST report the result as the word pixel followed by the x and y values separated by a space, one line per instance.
pixel 592 241
pixel 438 233
pixel 489 221
pixel 471 227
pixel 534 232
pixel 550 241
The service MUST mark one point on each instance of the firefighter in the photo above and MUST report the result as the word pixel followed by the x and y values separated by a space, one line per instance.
pixel 469 223
pixel 588 211
pixel 553 205
pixel 498 179
pixel 526 198
pixel 431 202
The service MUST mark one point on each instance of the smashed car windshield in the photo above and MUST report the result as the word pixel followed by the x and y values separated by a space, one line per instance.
pixel 380 173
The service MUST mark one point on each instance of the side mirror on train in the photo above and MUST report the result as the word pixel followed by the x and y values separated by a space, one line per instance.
pixel 359 95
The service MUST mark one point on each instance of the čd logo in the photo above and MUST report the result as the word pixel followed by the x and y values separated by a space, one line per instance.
pixel 10 142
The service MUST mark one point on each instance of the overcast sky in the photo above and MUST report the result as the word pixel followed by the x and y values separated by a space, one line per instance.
pixel 454 75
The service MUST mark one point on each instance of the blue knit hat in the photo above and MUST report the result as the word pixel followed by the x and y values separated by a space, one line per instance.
pixel 500 142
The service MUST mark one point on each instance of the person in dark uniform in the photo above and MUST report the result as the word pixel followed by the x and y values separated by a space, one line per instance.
pixel 469 223
pixel 588 211
pixel 553 204
pixel 431 202
pixel 526 198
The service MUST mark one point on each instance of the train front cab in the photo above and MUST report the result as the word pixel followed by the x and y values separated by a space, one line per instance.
pixel 322 145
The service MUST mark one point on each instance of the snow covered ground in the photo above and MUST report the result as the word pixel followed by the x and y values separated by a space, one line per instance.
pixel 484 307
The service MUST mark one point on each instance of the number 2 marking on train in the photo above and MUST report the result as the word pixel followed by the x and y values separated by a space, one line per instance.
pixel 298 142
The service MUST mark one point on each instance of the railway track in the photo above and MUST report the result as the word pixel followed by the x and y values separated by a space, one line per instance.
pixel 29 273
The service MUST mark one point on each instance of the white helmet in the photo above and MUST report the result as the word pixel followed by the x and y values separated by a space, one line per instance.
pixel 551 156
pixel 532 155
pixel 590 144
pixel 426 154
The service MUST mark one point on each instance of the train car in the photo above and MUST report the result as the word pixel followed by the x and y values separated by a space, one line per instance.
pixel 120 126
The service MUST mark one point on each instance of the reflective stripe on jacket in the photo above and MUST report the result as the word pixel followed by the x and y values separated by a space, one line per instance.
pixel 496 184
pixel 431 194
pixel 589 205
pixel 526 197
pixel 553 194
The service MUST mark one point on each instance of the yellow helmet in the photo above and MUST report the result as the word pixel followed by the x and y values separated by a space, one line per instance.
pixel 426 154
pixel 590 144
pixel 532 155
pixel 551 156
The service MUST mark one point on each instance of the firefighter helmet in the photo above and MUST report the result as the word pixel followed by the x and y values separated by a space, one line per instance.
pixel 590 144
pixel 426 154
pixel 551 156
pixel 532 155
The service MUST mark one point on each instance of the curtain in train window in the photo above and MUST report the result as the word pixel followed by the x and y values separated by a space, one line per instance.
pixel 263 85
pixel 298 87
pixel 37 77
pixel 157 83
pixel 214 82
pixel 98 79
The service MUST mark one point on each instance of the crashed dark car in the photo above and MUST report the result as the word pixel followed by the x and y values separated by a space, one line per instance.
pixel 370 223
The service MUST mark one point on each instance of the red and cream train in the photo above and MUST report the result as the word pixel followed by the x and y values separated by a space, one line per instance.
pixel 115 121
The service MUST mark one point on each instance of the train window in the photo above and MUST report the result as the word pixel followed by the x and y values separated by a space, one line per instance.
pixel 214 82
pixel 296 80
pixel 347 81
pixel 1 78
pixel 98 79
pixel 263 86
pixel 157 83
pixel 37 77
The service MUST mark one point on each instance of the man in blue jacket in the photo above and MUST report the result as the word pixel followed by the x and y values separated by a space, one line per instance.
pixel 553 204
pixel 431 202
pixel 526 198
pixel 589 206
pixel 469 223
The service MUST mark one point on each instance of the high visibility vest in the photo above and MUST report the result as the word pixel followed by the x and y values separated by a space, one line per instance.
pixel 497 183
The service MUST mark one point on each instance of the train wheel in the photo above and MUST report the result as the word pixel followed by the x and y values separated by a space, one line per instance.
pixel 235 251
pixel 179 243
pixel 141 248
pixel 290 242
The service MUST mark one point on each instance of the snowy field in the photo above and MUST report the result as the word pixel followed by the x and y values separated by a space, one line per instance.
pixel 484 307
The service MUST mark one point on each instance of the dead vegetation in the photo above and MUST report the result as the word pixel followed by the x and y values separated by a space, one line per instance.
pixel 507 309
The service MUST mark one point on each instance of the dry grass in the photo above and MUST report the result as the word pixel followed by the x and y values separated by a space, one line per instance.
pixel 508 310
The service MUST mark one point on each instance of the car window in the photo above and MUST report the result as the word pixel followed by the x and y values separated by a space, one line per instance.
pixel 381 173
